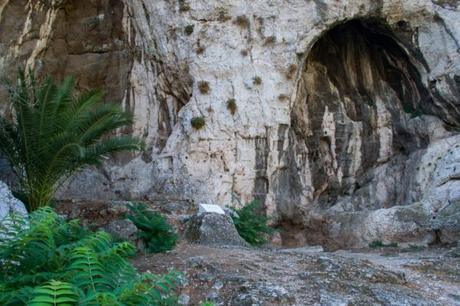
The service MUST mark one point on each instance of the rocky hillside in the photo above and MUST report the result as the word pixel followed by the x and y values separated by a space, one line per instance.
pixel 341 116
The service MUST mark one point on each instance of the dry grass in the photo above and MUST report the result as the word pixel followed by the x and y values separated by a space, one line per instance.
pixel 257 80
pixel 204 87
pixel 291 71
pixel 242 21
pixel 231 106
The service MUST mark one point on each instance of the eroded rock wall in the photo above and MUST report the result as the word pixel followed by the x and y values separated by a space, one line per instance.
pixel 336 121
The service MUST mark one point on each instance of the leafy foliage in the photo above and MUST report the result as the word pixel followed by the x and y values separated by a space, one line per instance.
pixel 52 262
pixel 54 133
pixel 155 231
pixel 251 223
pixel 198 122
pixel 379 244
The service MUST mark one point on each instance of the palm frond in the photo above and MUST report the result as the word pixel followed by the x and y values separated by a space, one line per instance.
pixel 54 133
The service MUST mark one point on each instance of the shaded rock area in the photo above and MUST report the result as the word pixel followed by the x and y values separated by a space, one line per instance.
pixel 240 276
pixel 95 214
pixel 213 229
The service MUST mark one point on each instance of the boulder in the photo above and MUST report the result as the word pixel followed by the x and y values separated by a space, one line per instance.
pixel 213 229
pixel 210 208
pixel 123 229
pixel 10 208
pixel 9 204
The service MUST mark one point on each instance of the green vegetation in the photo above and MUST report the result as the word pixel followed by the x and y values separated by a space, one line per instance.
pixel 231 106
pixel 198 122
pixel 188 30
pixel 53 262
pixel 251 223
pixel 157 234
pixel 53 133
pixel 379 244
pixel 183 6
pixel 257 80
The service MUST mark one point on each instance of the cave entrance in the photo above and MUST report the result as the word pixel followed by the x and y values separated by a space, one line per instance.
pixel 357 94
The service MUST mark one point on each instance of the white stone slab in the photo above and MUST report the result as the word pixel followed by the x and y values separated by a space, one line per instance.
pixel 210 208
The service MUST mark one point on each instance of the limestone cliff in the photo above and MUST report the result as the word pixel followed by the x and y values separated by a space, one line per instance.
pixel 347 112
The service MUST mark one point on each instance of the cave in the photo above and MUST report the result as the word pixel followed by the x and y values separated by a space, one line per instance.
pixel 360 99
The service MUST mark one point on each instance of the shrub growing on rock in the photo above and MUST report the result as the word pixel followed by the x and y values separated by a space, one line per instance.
pixel 189 29
pixel 52 262
pixel 231 106
pixel 198 122
pixel 257 80
pixel 242 21
pixel 251 223
pixel 54 133
pixel 203 87
pixel 157 234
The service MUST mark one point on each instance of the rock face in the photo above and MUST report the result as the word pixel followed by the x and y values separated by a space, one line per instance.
pixel 213 229
pixel 11 210
pixel 9 204
pixel 342 116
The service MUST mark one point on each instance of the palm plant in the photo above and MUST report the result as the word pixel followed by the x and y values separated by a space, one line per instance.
pixel 53 133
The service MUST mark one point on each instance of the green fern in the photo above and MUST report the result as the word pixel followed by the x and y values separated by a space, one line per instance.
pixel 52 262
pixel 155 231
pixel 54 133
pixel 55 293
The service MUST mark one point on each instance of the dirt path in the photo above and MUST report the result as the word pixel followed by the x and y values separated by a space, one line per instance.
pixel 308 276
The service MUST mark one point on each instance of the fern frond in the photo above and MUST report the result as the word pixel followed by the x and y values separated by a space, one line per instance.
pixel 55 293
pixel 87 272
pixel 93 265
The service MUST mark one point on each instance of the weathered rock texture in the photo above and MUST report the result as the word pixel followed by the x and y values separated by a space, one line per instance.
pixel 13 214
pixel 9 204
pixel 347 112
pixel 212 229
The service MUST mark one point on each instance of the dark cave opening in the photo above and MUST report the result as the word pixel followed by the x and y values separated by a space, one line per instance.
pixel 358 91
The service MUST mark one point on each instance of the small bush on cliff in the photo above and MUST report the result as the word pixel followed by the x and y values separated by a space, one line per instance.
pixel 257 80
pixel 54 132
pixel 157 234
pixel 198 122
pixel 231 106
pixel 189 29
pixel 203 87
pixel 52 262
pixel 251 223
